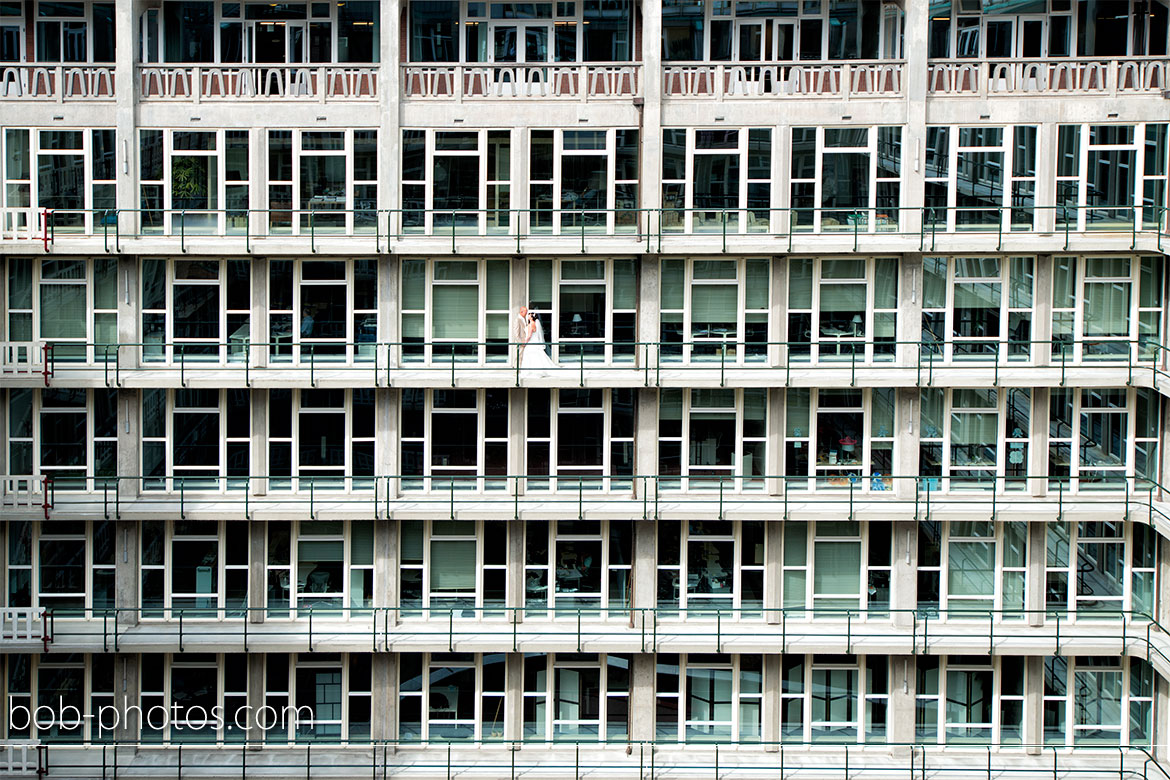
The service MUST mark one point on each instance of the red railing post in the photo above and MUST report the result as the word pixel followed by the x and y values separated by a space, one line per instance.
pixel 47 349
pixel 45 224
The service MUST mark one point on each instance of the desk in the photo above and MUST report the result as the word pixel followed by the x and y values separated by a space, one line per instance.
pixel 238 343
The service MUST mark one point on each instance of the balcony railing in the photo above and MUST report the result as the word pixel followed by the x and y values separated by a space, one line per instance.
pixel 708 358
pixel 197 83
pixel 725 229
pixel 836 80
pixel 1139 75
pixel 57 83
pixel 562 81
pixel 848 492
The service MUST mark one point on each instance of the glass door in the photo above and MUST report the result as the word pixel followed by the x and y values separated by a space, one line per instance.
pixel 521 43
pixel 1033 41
pixel 999 39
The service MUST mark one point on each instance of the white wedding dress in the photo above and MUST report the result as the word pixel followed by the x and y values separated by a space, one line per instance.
pixel 532 355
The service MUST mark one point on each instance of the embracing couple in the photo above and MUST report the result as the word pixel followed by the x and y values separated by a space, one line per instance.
pixel 530 334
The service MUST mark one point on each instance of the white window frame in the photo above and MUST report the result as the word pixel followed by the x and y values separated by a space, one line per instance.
pixel 742 219
pixel 488 318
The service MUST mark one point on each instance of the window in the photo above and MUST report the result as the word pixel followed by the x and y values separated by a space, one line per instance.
pixel 578 567
pixel 1098 437
pixel 11 32
pixel 834 698
pixel 451 696
pixel 317 697
pixel 778 31
pixel 455 439
pixel 65 435
pixel 580 439
pixel 709 176
pixel 983 178
pixel 723 434
pixel 589 306
pixel 977 307
pixel 1097 700
pixel 452 565
pixel 456 310
pixel 194 182
pixel 195 685
pixel 842 309
pixel 194 567
pixel 58 682
pixel 323 567
pixel 196 310
pixel 1111 177
pixel 972 567
pixel 1087 568
pixel 71 304
pixel 576 697
pixel 709 698
pixel 66 567
pixel 826 441
pixel 196 439
pixel 322 181
pixel 322 437
pixel 972 438
pixel 846 179
pixel 1103 308
pixel 578 178
pixel 68 172
pixel 1044 30
pixel 707 566
pixel 75 32
pixel 849 567
pixel 323 310
pixel 715 310
pixel 957 701
pixel 456 181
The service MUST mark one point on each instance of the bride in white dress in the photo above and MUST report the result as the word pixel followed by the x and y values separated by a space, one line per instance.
pixel 532 345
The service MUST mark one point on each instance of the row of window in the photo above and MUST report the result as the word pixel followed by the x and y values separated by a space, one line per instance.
pixel 826 568
pixel 711 310
pixel 1089 701
pixel 202 31
pixel 968 438
pixel 713 180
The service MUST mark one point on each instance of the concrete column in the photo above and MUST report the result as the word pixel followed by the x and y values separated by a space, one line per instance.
pixel 129 311
pixel 645 569
pixel 514 586
pixel 1162 603
pixel 257 570
pixel 125 117
pixel 778 311
pixel 1033 703
pixel 774 465
pixel 1161 717
pixel 773 682
pixel 773 570
pixel 255 699
pixel 1042 307
pixel 126 571
pixel 127 690
pixel 259 327
pixel 903 690
pixel 518 296
pixel 651 107
pixel 389 305
pixel 1038 446
pixel 384 704
pixel 916 44
pixel 514 697
pixel 904 572
pixel 642 680
pixel 649 306
pixel 906 455
pixel 386 563
pixel 389 107
pixel 1046 139
pixel 387 408
pixel 909 322
pixel 1034 579
pixel 646 441
pixel 259 454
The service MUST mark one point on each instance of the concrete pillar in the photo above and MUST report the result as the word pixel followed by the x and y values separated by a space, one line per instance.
pixel 903 690
pixel 642 679
pixel 389 305
pixel 259 327
pixel 904 572
pixel 909 318
pixel 916 44
pixel 129 438
pixel 773 570
pixel 1046 139
pixel 1042 279
pixel 386 592
pixel 389 108
pixel 644 571
pixel 129 312
pixel 127 691
pixel 649 306
pixel 387 408
pixel 517 426
pixel 651 107
pixel 384 693
pixel 1161 717
pixel 646 442
pixel 1034 582
pixel 778 309
pixel 906 454
pixel 774 464
pixel 518 296
pixel 255 737
pixel 259 454
pixel 257 570
pixel 1162 603
pixel 773 682
pixel 1033 703
pixel 126 571
pixel 645 552
pixel 1038 447
pixel 514 700
pixel 514 586
pixel 125 117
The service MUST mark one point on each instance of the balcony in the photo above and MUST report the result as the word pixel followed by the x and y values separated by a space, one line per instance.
pixel 241 83
pixel 594 81
pixel 1060 77
pixel 850 80
pixel 56 83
